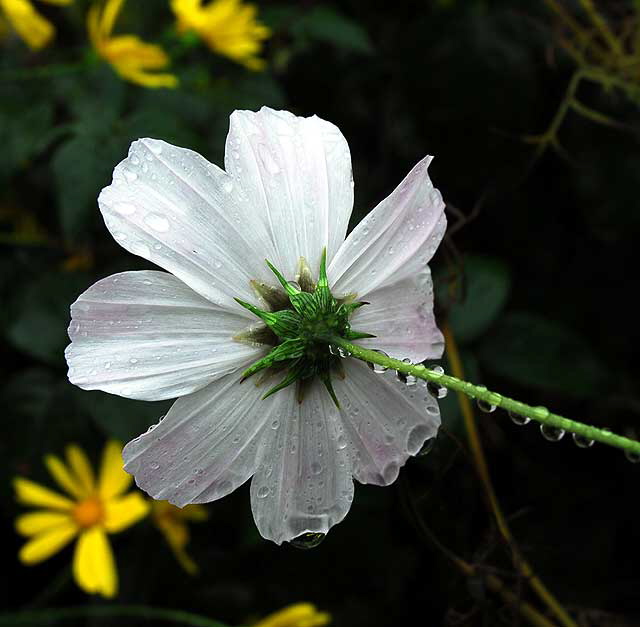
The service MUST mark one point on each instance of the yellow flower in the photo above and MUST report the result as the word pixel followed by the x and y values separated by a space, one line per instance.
pixel 297 615
pixel 227 26
pixel 91 509
pixel 34 29
pixel 172 522
pixel 130 57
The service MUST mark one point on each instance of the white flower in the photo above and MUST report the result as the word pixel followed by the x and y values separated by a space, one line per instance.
pixel 287 193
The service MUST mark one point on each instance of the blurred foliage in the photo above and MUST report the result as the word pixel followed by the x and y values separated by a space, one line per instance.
pixel 535 277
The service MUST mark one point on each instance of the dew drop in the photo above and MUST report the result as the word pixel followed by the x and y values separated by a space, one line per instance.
pixel 307 540
pixel 154 465
pixel 275 424
pixel 125 208
pixel 133 360
pixel 107 365
pixel 378 368
pixel 581 441
pixel 518 419
pixel 157 222
pixel 437 391
pixel 342 442
pixel 316 468
pixel 485 406
pixel 553 434
pixel 343 353
pixel 227 188
pixel 436 371
pixel 129 175
pixel 634 458
pixel 155 147
pixel 263 492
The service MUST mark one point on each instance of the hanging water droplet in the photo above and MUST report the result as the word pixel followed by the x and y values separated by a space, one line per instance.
pixel 427 447
pixel 437 391
pixel 343 353
pixel 485 406
pixel 307 540
pixel 581 441
pixel 518 419
pixel 553 434
pixel 634 458
pixel 378 368
pixel 333 349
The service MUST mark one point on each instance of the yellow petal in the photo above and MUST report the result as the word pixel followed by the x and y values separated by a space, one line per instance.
pixel 196 513
pixel 34 29
pixel 45 544
pixel 124 512
pixel 93 25
pixel 93 565
pixel 36 522
pixel 109 16
pixel 30 493
pixel 113 479
pixel 58 2
pixel 63 476
pixel 81 468
pixel 147 79
pixel 297 615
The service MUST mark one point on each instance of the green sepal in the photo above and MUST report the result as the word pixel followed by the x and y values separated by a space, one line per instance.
pixel 273 297
pixel 284 324
pixel 323 294
pixel 288 288
pixel 289 349
pixel 326 379
pixel 295 373
pixel 357 335
pixel 305 304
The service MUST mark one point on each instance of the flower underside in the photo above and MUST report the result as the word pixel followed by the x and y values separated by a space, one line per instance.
pixel 302 321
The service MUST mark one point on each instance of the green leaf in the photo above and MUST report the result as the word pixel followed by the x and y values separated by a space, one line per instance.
pixel 486 287
pixel 535 351
pixel 326 24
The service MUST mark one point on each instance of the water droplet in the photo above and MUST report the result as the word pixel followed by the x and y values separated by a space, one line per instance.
pixel 553 434
pixel 436 371
pixel 227 187
pixel 133 360
pixel 316 468
pixel 634 458
pixel 485 406
pixel 134 159
pixel 129 175
pixel 155 147
pixel 107 365
pixel 157 222
pixel 437 391
pixel 343 353
pixel 267 160
pixel 581 441
pixel 275 424
pixel 125 208
pixel 518 419
pixel 154 465
pixel 307 540
pixel 263 492
pixel 342 442
pixel 377 368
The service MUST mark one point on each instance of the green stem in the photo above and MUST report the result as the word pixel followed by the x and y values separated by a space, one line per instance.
pixel 539 414
pixel 40 617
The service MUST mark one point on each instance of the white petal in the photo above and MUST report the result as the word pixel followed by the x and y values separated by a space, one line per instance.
pixel 401 317
pixel 208 443
pixel 385 420
pixel 297 174
pixel 146 335
pixel 394 240
pixel 174 208
pixel 303 483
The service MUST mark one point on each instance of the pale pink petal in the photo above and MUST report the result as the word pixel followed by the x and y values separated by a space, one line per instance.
pixel 146 335
pixel 208 444
pixel 174 208
pixel 385 421
pixel 401 317
pixel 394 240
pixel 296 173
pixel 303 483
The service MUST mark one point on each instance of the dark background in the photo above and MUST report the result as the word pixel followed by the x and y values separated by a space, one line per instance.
pixel 537 277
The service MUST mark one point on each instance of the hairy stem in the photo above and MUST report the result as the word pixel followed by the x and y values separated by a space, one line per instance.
pixel 539 414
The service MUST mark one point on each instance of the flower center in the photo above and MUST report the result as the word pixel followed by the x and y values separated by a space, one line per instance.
pixel 88 513
pixel 302 323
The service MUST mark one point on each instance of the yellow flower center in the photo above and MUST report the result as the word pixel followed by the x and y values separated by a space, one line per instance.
pixel 88 513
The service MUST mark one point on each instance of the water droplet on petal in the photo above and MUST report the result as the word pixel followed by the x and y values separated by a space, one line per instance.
pixel 263 492
pixel 157 222
pixel 154 465
pixel 125 208
pixel 518 419
pixel 316 468
pixel 581 441
pixel 342 442
pixel 307 540
pixel 275 424
pixel 553 434
pixel 227 187
pixel 129 175
pixel 155 147
pixel 133 360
